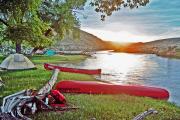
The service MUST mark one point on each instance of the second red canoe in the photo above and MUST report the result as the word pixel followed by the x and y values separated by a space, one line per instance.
pixel 72 70
pixel 92 87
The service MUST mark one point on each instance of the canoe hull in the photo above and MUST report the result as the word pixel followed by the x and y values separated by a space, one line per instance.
pixel 72 70
pixel 105 88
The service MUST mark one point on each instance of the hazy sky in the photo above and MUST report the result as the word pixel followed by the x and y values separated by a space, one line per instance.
pixel 159 19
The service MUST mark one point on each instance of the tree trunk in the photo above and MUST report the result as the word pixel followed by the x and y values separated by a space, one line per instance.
pixel 18 47
pixel 4 22
pixel 33 51
pixel 47 32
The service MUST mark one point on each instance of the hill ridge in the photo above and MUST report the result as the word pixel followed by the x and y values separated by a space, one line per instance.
pixel 86 42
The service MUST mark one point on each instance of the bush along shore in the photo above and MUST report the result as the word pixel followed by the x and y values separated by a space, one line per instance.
pixel 95 107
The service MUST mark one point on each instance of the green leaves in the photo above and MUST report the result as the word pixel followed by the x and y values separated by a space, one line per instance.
pixel 107 7
pixel 60 15
pixel 24 24
pixel 26 34
pixel 1 33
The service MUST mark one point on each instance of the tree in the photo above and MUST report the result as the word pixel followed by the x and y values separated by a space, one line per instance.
pixel 32 21
pixel 22 23
pixel 35 21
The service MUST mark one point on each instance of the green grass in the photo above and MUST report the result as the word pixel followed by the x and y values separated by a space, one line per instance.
pixel 101 107
pixel 112 107
pixel 35 79
pixel 57 59
pixel 1 58
pixel 177 54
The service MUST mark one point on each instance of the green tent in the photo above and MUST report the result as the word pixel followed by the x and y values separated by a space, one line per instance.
pixel 17 62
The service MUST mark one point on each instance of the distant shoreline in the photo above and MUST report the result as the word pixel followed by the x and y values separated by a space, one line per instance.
pixel 176 56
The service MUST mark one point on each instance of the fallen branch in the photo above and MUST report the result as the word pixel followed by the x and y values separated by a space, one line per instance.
pixel 143 115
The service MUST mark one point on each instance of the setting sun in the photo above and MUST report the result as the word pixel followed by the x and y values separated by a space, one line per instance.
pixel 119 36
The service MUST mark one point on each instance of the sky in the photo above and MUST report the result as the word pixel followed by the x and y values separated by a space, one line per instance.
pixel 159 19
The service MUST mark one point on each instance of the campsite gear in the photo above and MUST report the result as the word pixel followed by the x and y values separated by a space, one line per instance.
pixel 17 62
pixel 28 102
pixel 59 97
pixel 143 115
pixel 50 52
pixel 92 87
pixel 72 70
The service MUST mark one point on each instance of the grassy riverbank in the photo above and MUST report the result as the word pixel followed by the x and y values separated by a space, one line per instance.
pixel 101 107
pixel 176 56
pixel 35 79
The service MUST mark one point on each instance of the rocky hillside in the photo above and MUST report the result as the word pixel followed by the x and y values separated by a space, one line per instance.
pixel 157 46
pixel 162 46
pixel 86 42
pixel 164 43
pixel 89 42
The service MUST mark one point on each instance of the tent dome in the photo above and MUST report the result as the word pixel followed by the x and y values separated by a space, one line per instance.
pixel 50 52
pixel 17 62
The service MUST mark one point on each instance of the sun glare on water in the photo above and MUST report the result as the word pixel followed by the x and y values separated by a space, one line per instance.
pixel 123 63
pixel 119 64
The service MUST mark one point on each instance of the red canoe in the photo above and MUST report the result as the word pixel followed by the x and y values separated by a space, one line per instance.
pixel 106 88
pixel 72 70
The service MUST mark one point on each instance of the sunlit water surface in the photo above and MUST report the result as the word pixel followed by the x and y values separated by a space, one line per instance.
pixel 143 69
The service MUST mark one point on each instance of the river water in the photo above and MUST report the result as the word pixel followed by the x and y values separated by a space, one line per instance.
pixel 143 69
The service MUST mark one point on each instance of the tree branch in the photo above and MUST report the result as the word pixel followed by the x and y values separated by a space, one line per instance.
pixel 47 32
pixel 4 22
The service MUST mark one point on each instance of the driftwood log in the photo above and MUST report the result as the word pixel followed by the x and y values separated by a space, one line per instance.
pixel 48 87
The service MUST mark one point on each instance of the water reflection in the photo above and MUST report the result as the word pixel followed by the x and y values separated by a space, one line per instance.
pixel 123 68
